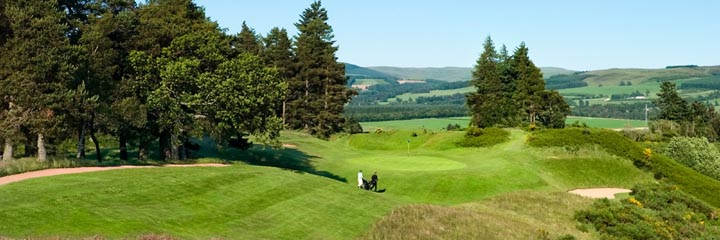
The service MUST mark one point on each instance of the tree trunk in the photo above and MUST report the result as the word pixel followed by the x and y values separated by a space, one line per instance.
pixel 98 154
pixel 42 153
pixel 143 149
pixel 164 142
pixel 283 113
pixel 307 98
pixel 174 153
pixel 182 151
pixel 8 151
pixel 123 147
pixel 81 141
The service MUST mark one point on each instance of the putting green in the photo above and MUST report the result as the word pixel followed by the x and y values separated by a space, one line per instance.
pixel 406 163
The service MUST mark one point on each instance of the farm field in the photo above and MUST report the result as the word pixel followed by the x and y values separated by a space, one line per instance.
pixel 407 96
pixel 437 124
pixel 308 190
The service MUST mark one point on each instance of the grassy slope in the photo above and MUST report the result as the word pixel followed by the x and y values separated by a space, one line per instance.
pixel 437 124
pixel 518 215
pixel 248 201
pixel 262 202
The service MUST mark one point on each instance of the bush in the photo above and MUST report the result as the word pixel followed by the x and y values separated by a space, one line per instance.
pixel 690 181
pixel 352 126
pixel 655 211
pixel 696 153
pixel 477 137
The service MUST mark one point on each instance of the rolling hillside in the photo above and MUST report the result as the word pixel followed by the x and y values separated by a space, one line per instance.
pixel 449 74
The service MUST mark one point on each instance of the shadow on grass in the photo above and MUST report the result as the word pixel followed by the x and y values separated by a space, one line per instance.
pixel 285 158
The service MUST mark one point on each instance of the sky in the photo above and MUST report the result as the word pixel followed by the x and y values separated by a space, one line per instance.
pixel 573 34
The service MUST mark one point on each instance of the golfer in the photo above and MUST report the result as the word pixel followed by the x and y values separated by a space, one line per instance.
pixel 360 179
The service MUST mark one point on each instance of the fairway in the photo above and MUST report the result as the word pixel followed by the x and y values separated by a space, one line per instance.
pixel 316 198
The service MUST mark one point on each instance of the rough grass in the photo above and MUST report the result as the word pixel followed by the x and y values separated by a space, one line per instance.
pixel 518 215
pixel 690 181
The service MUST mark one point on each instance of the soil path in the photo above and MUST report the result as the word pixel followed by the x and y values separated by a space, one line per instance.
pixel 60 171
pixel 608 193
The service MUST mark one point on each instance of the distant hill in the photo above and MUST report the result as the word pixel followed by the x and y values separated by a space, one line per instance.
pixel 636 76
pixel 355 71
pixel 448 74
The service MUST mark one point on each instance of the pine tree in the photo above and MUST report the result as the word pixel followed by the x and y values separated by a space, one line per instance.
pixel 672 106
pixel 247 41
pixel 278 53
pixel 486 78
pixel 529 83
pixel 319 92
pixel 36 69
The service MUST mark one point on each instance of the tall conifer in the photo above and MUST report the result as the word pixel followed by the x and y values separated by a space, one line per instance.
pixel 319 91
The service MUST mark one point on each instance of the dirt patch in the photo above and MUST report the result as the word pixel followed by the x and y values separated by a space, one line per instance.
pixel 61 171
pixel 608 193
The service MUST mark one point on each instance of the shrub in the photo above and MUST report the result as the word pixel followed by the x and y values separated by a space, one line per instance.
pixel 690 181
pixel 352 126
pixel 656 211
pixel 696 153
pixel 477 137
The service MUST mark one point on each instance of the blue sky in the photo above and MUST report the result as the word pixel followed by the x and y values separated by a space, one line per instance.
pixel 578 35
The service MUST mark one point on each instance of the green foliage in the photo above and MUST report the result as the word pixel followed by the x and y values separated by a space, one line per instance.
pixel 696 153
pixel 672 106
pixel 352 126
pixel 690 181
pixel 244 97
pixel 655 211
pixel 247 41
pixel 318 91
pixel 485 137
pixel 511 90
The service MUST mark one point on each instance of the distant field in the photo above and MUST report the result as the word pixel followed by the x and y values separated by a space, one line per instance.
pixel 407 96
pixel 437 124
pixel 371 81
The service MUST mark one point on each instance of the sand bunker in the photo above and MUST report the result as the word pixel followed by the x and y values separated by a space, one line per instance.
pixel 608 193
pixel 60 171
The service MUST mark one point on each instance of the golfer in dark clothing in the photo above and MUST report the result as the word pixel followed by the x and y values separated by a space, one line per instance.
pixel 373 182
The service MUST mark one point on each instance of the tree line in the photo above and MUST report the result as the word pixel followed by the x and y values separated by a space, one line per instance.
pixel 510 91
pixel 159 72
pixel 677 116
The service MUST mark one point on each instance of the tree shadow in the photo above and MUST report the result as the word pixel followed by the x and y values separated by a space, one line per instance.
pixel 285 158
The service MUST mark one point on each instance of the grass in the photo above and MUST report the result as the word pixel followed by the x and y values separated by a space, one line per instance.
pixel 308 190
pixel 239 201
pixel 518 215
pixel 437 124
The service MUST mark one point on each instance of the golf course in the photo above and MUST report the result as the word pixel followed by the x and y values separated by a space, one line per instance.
pixel 308 189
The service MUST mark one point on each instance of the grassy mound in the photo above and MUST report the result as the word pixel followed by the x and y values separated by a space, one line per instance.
pixel 692 182
pixel 518 215
pixel 239 201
